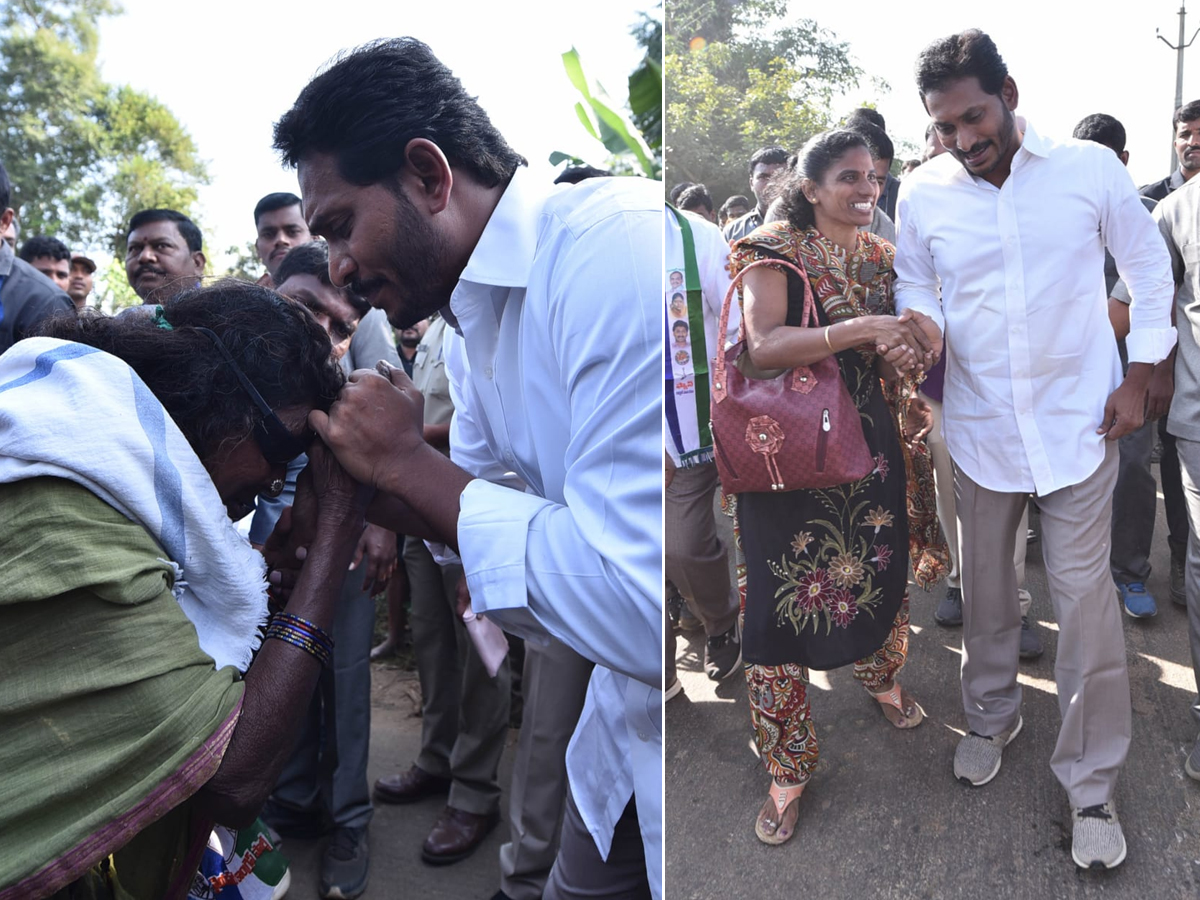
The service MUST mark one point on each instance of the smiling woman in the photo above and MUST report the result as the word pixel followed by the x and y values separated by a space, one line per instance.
pixel 128 445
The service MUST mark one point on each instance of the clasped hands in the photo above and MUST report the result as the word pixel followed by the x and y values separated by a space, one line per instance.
pixel 911 343
pixel 376 420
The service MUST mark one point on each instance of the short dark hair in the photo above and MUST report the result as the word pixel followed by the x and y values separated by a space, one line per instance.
pixel 187 228
pixel 695 196
pixel 40 245
pixel 736 200
pixel 1189 112
pixel 969 53
pixel 576 174
pixel 811 164
pixel 770 156
pixel 367 106
pixel 281 348
pixel 1103 129
pixel 877 140
pixel 272 202
pixel 674 192
pixel 868 115
pixel 313 259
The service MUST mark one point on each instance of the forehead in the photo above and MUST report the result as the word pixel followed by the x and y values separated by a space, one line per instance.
pixel 1188 125
pixel 157 231
pixel 281 218
pixel 954 98
pixel 49 262
pixel 763 169
pixel 309 288
pixel 857 158
pixel 80 266
pixel 323 188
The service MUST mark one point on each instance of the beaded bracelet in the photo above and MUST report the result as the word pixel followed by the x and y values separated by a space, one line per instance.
pixel 303 634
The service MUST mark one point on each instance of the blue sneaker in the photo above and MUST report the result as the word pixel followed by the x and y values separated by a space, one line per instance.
pixel 1138 601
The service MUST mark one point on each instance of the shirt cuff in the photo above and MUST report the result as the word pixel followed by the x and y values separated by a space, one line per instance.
pixel 1120 292
pixel 1150 345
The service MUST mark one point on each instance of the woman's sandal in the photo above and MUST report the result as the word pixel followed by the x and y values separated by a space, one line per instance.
pixel 776 820
pixel 894 700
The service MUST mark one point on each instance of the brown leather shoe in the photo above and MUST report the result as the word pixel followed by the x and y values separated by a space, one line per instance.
pixel 455 835
pixel 411 786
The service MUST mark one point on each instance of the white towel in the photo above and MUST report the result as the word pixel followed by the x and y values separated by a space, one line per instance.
pixel 71 411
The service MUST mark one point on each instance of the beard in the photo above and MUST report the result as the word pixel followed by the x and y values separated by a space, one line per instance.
pixel 420 259
pixel 1004 144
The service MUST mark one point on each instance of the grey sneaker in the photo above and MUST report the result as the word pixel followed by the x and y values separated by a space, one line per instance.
pixel 345 864
pixel 1191 765
pixel 1096 838
pixel 949 611
pixel 1031 644
pixel 723 654
pixel 977 759
pixel 1178 589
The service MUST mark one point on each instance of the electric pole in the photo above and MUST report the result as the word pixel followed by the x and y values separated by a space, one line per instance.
pixel 1178 48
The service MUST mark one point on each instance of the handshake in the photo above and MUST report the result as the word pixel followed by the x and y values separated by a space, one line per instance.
pixel 911 343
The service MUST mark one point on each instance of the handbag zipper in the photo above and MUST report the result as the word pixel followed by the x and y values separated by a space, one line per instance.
pixel 822 440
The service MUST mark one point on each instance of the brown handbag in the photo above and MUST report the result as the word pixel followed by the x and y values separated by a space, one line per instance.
pixel 798 429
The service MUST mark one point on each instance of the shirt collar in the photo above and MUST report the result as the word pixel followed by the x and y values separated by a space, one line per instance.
pixel 504 253
pixel 6 259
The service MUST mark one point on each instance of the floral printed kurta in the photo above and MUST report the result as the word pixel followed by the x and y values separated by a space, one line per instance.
pixel 827 569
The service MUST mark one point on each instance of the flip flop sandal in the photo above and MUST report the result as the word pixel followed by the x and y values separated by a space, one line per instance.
pixel 893 698
pixel 780 808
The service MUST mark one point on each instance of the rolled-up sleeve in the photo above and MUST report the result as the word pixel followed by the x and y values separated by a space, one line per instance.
pixel 1132 237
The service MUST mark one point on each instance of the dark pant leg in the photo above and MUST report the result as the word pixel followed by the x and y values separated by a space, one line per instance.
pixel 580 872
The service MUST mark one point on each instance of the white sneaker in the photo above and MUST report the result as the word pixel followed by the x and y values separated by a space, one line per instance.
pixel 1096 839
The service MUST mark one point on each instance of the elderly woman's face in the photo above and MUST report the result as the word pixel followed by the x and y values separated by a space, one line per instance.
pixel 240 473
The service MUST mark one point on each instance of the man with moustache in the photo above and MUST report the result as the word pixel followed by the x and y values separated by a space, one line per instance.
pixel 1012 227
pixel 162 255
pixel 550 288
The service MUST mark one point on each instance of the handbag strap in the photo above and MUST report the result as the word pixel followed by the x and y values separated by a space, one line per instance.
pixel 807 319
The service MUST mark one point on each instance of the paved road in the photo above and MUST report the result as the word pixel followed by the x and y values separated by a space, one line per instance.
pixel 884 817
pixel 397 831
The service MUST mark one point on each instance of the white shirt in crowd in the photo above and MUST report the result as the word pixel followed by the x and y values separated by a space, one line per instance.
pixel 1031 357
pixel 561 386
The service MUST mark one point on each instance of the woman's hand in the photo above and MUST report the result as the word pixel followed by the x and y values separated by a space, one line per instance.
pixel 930 335
pixel 377 548
pixel 337 494
pixel 919 420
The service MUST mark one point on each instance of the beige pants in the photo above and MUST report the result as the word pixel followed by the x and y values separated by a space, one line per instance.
pixel 1093 683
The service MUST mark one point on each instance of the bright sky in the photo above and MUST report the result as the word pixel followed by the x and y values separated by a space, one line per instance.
pixel 231 69
pixel 1068 60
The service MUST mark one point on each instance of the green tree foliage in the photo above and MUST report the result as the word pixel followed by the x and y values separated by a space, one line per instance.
pixel 740 76
pixel 83 155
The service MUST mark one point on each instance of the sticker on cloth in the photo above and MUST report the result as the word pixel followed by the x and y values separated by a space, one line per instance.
pixel 241 865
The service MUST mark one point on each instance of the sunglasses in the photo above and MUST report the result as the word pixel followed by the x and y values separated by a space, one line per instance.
pixel 277 445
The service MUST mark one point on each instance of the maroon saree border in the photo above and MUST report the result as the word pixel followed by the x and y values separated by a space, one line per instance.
pixel 177 787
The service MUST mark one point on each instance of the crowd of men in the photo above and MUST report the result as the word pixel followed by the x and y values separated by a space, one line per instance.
pixel 573 823
pixel 1044 395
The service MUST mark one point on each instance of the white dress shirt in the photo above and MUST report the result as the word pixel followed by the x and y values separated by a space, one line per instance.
pixel 1030 355
pixel 561 385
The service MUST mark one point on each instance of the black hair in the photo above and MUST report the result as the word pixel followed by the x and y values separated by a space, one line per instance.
pixel 5 188
pixel 694 197
pixel 679 323
pixel 674 192
pixel 877 140
pixel 970 53
pixel 272 202
pixel 313 259
pixel 576 174
pixel 811 164
pixel 187 228
pixel 40 245
pixel 367 106
pixel 868 115
pixel 1103 129
pixel 771 156
pixel 278 344
pixel 1189 112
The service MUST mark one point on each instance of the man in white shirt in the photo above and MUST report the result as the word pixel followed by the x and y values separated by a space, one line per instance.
pixel 1015 227
pixel 554 291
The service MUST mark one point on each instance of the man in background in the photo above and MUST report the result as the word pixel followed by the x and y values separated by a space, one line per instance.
pixel 49 256
pixel 163 255
pixel 763 165
pixel 79 287
pixel 279 226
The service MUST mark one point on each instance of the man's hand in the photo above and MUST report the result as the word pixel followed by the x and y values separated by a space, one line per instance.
pixel 1162 389
pixel 375 423
pixel 378 547
pixel 1125 410
pixel 931 334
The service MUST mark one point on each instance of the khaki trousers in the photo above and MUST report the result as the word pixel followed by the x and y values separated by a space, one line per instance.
pixel 1093 683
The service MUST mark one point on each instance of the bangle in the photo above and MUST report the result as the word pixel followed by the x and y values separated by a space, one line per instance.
pixel 827 344
pixel 303 634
